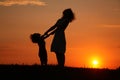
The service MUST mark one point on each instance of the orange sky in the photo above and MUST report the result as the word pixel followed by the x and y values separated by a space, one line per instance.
pixel 95 33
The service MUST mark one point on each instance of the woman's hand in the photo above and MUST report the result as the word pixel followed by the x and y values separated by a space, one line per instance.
pixel 52 33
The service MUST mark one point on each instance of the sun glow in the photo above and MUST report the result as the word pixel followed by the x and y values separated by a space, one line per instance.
pixel 95 63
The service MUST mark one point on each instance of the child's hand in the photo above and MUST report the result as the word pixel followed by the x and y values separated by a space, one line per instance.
pixel 46 33
pixel 45 36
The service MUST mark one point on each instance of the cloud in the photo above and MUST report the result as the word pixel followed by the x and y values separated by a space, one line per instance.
pixel 107 25
pixel 118 46
pixel 116 10
pixel 22 2
pixel 110 25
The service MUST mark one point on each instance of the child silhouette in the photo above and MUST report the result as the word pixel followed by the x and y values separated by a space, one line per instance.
pixel 37 38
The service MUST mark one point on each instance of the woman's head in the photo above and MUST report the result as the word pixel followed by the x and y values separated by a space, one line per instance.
pixel 68 13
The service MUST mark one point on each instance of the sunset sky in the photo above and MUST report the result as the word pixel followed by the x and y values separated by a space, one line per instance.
pixel 93 35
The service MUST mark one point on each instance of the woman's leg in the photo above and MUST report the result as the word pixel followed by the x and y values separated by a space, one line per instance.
pixel 60 59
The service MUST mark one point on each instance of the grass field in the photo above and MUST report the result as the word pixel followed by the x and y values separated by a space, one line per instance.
pixel 52 72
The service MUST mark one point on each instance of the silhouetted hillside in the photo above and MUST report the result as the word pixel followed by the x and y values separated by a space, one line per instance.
pixel 36 72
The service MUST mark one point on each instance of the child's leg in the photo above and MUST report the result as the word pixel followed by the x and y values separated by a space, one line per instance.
pixel 43 58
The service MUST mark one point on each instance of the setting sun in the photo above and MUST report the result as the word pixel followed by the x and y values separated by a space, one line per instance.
pixel 95 63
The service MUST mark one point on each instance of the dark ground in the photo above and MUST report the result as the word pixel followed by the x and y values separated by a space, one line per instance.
pixel 37 72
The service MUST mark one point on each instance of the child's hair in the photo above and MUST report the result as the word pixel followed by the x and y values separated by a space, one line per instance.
pixel 35 37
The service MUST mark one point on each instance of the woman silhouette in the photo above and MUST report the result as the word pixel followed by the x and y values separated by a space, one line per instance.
pixel 59 42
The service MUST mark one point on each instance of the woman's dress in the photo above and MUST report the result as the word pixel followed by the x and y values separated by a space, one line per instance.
pixel 59 42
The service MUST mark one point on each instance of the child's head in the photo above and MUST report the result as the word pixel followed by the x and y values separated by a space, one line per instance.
pixel 35 37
